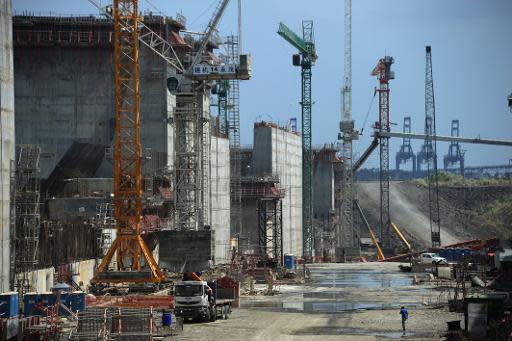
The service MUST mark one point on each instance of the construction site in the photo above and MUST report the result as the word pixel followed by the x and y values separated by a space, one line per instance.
pixel 150 189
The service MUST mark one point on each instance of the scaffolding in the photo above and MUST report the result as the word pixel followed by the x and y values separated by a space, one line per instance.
pixel 106 225
pixel 187 167
pixel 234 139
pixel 26 212
pixel 268 197
pixel 270 228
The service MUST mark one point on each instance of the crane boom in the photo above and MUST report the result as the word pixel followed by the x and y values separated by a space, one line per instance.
pixel 148 37
pixel 292 38
pixel 212 25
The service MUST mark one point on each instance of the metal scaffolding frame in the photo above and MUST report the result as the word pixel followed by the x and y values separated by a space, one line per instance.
pixel 384 75
pixel 233 115
pixel 187 162
pixel 270 228
pixel 26 214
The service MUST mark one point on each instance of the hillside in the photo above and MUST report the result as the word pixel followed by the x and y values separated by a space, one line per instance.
pixel 466 212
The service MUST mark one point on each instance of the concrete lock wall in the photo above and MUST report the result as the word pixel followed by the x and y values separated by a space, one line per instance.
pixel 323 182
pixel 6 136
pixel 220 190
pixel 69 92
pixel 279 151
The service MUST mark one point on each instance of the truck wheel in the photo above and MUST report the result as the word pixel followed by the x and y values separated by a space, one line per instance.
pixel 226 312
pixel 213 314
pixel 207 317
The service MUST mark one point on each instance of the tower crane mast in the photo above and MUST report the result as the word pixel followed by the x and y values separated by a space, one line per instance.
pixel 345 192
pixel 384 75
pixel 129 248
pixel 306 59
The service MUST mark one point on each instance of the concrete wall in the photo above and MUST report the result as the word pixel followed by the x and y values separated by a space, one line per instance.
pixel 69 92
pixel 323 184
pixel 278 151
pixel 220 175
pixel 6 136
pixel 192 250
pixel 42 280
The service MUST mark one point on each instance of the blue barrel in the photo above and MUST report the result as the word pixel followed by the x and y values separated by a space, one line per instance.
pixel 29 303
pixel 77 301
pixel 289 262
pixel 9 305
pixel 166 319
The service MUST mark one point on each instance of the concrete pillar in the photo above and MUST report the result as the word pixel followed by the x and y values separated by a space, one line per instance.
pixel 6 136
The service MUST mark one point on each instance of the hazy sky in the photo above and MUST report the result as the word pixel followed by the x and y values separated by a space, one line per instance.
pixel 471 51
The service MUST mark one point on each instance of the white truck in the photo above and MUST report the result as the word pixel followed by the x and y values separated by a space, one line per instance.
pixel 432 258
pixel 199 300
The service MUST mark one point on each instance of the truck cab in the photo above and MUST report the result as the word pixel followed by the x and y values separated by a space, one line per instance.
pixel 193 300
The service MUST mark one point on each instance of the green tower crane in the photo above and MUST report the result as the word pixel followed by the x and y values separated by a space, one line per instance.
pixel 305 59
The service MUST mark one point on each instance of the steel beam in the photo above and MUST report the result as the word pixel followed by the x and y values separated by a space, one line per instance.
pixel 416 136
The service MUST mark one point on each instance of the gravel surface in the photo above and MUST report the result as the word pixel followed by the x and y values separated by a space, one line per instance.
pixel 342 302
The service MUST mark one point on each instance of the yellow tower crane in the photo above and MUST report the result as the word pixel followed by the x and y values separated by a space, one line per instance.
pixel 129 245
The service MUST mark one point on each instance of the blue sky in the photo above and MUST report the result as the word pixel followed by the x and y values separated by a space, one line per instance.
pixel 472 60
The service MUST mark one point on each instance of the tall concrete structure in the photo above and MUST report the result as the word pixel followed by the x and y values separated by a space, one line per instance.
pixel 219 188
pixel 65 90
pixel 278 152
pixel 65 95
pixel 6 137
pixel 326 170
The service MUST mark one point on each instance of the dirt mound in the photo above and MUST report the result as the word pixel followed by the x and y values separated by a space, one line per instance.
pixel 465 212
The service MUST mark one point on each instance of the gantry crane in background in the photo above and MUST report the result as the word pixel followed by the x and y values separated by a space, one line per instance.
pixel 129 245
pixel 406 153
pixel 344 192
pixel 455 152
pixel 384 75
pixel 305 59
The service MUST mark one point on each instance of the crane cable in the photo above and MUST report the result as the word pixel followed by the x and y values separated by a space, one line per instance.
pixel 368 112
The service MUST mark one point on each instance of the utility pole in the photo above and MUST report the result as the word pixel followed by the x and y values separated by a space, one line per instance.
pixel 384 75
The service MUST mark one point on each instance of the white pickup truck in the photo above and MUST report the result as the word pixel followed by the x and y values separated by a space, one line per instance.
pixel 196 300
pixel 431 258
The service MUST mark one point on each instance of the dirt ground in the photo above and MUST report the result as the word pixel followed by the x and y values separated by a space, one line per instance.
pixel 461 210
pixel 342 302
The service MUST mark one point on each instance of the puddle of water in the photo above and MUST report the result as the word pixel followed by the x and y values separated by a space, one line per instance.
pixel 321 306
pixel 361 280
pixel 387 335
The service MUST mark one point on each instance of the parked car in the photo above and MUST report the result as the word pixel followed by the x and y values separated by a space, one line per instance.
pixel 431 258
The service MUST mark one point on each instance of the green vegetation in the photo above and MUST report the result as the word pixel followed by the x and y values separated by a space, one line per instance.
pixel 497 213
pixel 455 180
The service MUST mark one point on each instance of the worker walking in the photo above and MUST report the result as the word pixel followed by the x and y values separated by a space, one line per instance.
pixel 405 316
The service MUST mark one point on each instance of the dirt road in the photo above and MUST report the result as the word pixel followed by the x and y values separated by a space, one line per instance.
pixel 342 302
